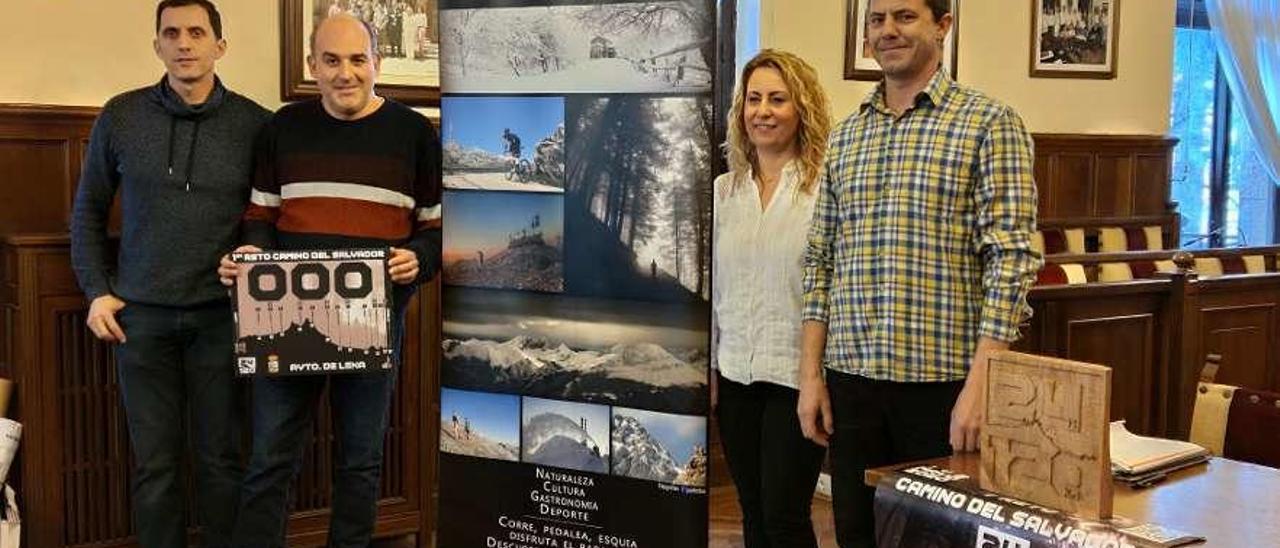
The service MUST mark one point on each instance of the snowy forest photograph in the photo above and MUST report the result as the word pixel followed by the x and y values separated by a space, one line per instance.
pixel 565 435
pixel 504 240
pixel 659 447
pixel 478 424
pixel 503 143
pixel 638 197
pixel 638 354
pixel 631 47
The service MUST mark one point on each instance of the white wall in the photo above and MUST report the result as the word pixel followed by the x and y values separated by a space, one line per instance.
pixel 77 52
pixel 83 52
pixel 994 49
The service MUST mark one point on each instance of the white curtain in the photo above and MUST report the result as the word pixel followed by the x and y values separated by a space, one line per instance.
pixel 1247 33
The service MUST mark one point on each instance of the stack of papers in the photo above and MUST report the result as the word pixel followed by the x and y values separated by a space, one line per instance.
pixel 1141 461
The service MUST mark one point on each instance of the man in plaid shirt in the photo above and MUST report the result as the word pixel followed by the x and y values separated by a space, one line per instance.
pixel 918 265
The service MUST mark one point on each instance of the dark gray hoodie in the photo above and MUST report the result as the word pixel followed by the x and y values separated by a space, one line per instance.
pixel 183 172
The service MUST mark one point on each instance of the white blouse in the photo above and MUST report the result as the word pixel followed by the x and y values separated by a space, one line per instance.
pixel 758 289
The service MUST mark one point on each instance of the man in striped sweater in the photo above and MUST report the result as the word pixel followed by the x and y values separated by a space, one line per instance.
pixel 351 169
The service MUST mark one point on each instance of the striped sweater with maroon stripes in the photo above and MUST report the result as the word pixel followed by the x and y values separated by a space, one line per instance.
pixel 320 182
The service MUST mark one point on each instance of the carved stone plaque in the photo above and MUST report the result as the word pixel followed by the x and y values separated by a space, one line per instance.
pixel 1045 436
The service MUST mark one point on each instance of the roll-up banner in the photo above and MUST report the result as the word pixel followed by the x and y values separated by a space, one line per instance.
pixel 577 235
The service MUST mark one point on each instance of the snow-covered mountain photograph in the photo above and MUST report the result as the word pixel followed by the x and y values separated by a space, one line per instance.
pixel 659 447
pixel 631 47
pixel 480 424
pixel 565 434
pixel 636 354
pixel 503 143
pixel 504 240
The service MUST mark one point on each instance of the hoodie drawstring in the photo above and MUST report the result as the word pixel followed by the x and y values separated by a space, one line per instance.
pixel 191 153
pixel 173 122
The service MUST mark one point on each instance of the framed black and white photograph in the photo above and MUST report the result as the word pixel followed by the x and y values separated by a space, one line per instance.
pixel 629 47
pixel 1074 38
pixel 408 46
pixel 643 355
pixel 638 198
pixel 859 58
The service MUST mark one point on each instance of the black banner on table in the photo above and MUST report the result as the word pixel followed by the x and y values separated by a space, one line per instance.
pixel 929 506
pixel 312 312
pixel 577 237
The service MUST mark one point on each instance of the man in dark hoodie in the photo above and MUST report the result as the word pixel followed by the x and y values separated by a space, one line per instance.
pixel 180 154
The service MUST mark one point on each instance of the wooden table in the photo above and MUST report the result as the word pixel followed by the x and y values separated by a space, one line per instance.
pixel 1230 503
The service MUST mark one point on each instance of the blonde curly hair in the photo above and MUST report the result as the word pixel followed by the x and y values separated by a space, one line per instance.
pixel 811 104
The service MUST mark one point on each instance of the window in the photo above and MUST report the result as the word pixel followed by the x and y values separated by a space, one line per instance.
pixel 748 38
pixel 1192 122
pixel 1224 195
pixel 1251 195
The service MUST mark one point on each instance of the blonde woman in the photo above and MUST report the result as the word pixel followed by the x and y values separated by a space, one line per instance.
pixel 777 137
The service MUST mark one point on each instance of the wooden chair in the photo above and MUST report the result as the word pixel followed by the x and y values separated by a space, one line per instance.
pixel 1236 423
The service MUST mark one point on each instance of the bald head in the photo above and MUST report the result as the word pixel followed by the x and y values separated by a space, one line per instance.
pixel 345 27
pixel 344 64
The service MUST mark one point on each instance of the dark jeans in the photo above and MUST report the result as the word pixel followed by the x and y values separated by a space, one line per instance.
pixel 880 423
pixel 177 364
pixel 284 410
pixel 773 466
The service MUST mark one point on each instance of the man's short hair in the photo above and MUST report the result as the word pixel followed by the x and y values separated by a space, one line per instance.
pixel 939 8
pixel 215 18
pixel 373 35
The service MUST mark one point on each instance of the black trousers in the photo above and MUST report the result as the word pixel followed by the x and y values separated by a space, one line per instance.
pixel 773 467
pixel 177 373
pixel 878 423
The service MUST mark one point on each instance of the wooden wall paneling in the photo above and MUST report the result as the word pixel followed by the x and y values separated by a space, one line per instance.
pixel 1126 344
pixel 41 149
pixel 1090 176
pixel 1045 184
pixel 1117 325
pixel 1074 185
pixel 1186 355
pixel 40 465
pixel 1242 336
pixel 8 310
pixel 28 206
pixel 1239 321
pixel 95 459
pixel 1151 183
pixel 1113 186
